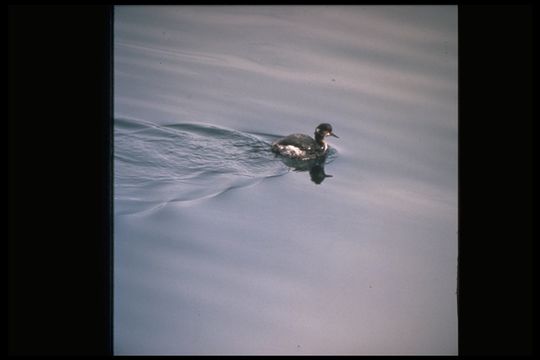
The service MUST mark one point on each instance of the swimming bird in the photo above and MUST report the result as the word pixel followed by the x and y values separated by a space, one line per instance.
pixel 304 147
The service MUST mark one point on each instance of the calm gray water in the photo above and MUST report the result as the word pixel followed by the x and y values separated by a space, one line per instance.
pixel 223 248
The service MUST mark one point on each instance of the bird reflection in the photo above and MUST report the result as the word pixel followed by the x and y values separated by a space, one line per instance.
pixel 315 167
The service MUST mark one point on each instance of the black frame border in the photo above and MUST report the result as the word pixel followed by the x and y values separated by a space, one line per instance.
pixel 60 224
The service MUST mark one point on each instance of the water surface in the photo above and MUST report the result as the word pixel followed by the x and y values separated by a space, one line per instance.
pixel 221 247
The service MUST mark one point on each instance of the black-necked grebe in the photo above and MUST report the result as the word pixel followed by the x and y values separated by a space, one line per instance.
pixel 303 147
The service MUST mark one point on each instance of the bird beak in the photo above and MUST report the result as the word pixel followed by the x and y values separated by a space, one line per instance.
pixel 334 135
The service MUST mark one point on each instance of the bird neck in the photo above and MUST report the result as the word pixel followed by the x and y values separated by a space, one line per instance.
pixel 319 139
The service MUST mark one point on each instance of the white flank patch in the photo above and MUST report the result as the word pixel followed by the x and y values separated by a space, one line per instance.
pixel 291 150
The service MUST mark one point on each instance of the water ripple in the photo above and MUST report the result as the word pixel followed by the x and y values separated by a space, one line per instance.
pixel 185 163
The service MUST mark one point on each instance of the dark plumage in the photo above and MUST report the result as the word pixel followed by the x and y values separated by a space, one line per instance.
pixel 304 147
